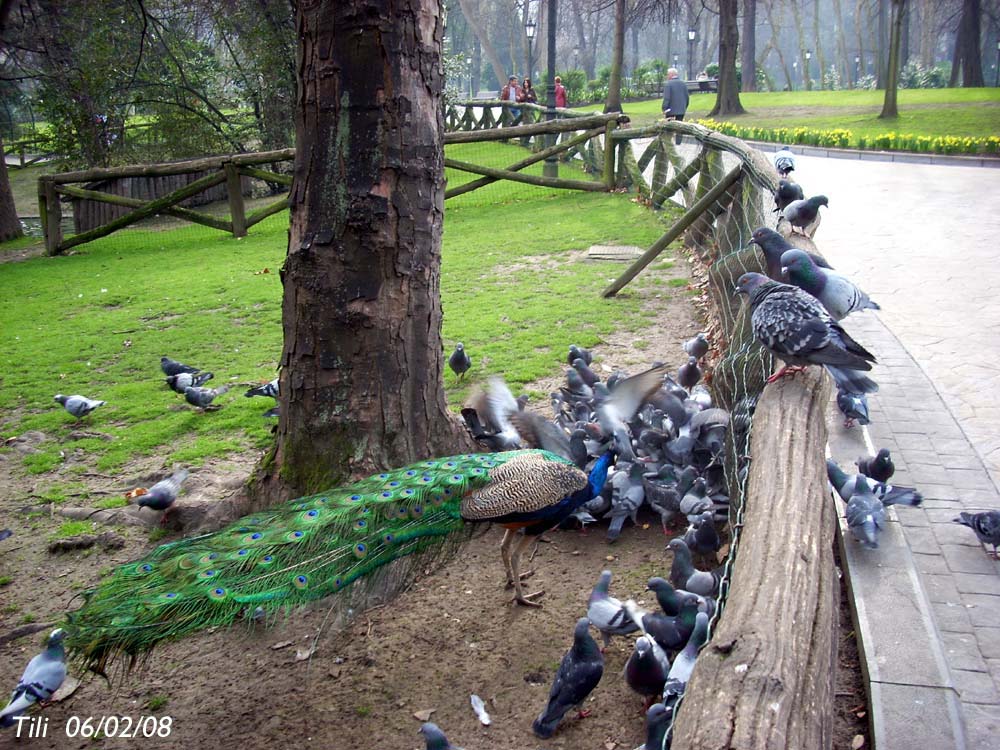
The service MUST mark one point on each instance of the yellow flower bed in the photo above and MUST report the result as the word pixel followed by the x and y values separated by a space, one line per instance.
pixel 840 138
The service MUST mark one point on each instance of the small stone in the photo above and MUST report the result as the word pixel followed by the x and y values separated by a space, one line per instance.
pixel 424 714
pixel 281 644
pixel 858 742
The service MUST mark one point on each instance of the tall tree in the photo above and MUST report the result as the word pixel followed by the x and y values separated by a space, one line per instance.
pixel 614 100
pixel 889 110
pixel 967 56
pixel 10 226
pixel 749 47
pixel 727 102
pixel 882 59
pixel 362 364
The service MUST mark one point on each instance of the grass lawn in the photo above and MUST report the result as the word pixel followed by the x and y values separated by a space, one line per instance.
pixel 96 322
pixel 931 112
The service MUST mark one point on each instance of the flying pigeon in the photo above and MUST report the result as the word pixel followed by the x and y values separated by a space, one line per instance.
pixel 786 193
pixel 784 161
pixel 697 347
pixel 889 494
pixel 803 213
pixel 986 525
pixel 183 380
pixel 173 367
pixel 839 295
pixel 865 514
pixel 203 397
pixel 854 407
pixel 579 672
pixel 624 402
pixel 41 679
pixel 879 467
pixel 689 374
pixel 161 495
pixel 459 361
pixel 684 575
pixel 78 406
pixel 268 389
pixel 796 328
pixel 578 352
pixel 647 668
pixel 607 613
pixel 435 738
pixel 773 245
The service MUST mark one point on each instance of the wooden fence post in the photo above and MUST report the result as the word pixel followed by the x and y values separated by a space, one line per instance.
pixel 237 211
pixel 50 212
pixel 609 156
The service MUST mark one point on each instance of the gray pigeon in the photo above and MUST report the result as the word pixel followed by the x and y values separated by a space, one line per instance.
pixel 670 632
pixel 986 525
pixel 697 347
pixel 183 380
pixel 4 533
pixel 435 738
pixel 627 494
pixel 173 367
pixel 786 193
pixel 683 666
pixel 459 361
pixel 701 536
pixel 889 494
pixel 774 245
pixel 77 405
pixel 796 328
pixel 629 395
pixel 537 432
pixel 647 668
pixel 268 389
pixel 689 374
pixel 684 575
pixel 671 600
pixel 41 679
pixel 784 161
pixel 578 352
pixel 161 495
pixel 203 397
pixel 839 295
pixel 696 500
pixel 854 407
pixel 588 375
pixel 606 613
pixel 658 719
pixel 576 389
pixel 801 214
pixel 879 467
pixel 579 672
pixel 865 514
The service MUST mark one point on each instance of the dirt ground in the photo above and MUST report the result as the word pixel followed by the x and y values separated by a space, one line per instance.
pixel 452 634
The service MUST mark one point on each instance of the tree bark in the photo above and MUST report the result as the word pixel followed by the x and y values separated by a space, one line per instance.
pixel 749 47
pixel 362 365
pixel 727 102
pixel 10 225
pixel 614 101
pixel 889 110
pixel 967 55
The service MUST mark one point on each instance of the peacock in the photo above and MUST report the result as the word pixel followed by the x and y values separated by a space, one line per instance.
pixel 315 546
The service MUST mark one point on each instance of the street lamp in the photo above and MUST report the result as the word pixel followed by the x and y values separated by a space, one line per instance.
pixel 529 31
pixel 998 65
pixel 795 72
pixel 808 77
pixel 692 33
pixel 468 68
pixel 857 70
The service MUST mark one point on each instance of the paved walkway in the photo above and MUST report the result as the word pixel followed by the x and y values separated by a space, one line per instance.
pixel 924 241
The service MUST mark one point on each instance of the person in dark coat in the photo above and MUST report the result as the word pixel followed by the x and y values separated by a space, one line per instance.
pixel 675 98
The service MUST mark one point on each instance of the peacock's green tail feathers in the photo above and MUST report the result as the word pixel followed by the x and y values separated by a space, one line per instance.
pixel 306 549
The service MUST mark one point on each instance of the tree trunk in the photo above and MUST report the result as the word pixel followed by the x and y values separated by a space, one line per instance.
pixel 10 225
pixel 889 110
pixel 803 63
pixel 749 47
pixel 818 48
pixel 776 41
pixel 362 364
pixel 858 29
pixel 470 11
pixel 967 55
pixel 727 102
pixel 927 36
pixel 880 48
pixel 844 65
pixel 904 54
pixel 614 101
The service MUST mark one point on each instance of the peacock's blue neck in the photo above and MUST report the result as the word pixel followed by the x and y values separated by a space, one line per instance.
pixel 599 474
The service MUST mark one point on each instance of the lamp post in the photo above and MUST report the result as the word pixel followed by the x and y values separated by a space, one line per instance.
pixel 692 34
pixel 529 32
pixel 551 166
pixel 795 72
pixel 857 70
pixel 808 77
pixel 998 65
pixel 468 69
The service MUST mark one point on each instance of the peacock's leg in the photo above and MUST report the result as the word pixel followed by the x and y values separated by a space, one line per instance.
pixel 508 539
pixel 519 596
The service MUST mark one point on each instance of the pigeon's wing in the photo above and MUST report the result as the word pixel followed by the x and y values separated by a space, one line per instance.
pixel 630 393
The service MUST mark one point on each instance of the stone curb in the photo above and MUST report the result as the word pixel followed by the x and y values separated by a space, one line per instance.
pixel 948 160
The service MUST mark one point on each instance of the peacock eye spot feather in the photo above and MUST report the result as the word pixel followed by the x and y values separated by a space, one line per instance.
pixel 243 552
pixel 268 558
pixel 360 524
pixel 147 568
pixel 218 593
pixel 477 470
pixel 207 574
pixel 170 595
pixel 383 476
pixel 298 534
pixel 313 513
pixel 416 511
pixel 449 464
pixel 300 582
pixel 338 582
pixel 394 484
pixel 425 479
pixel 411 473
pixel 360 550
pixel 401 512
pixel 387 494
pixel 256 535
pixel 408 492
pixel 355 498
pixel 388 538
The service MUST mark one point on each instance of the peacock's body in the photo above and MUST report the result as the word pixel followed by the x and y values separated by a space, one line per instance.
pixel 316 546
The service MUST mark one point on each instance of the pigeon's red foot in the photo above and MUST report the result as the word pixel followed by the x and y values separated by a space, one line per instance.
pixel 786 370
pixel 848 423
pixel 583 714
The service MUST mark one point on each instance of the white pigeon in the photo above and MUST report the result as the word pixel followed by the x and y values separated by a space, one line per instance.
pixel 41 679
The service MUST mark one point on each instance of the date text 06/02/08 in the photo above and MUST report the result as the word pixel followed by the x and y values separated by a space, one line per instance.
pixel 126 727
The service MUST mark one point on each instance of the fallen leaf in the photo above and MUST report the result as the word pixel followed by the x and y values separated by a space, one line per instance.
pixel 281 644
pixel 69 686
pixel 265 270
pixel 857 742
pixel 424 714
pixel 137 492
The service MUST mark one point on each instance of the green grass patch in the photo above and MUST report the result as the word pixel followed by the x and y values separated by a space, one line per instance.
pixel 6 580
pixel 72 528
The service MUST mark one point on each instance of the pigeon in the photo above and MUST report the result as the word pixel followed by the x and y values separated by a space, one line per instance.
pixel 786 193
pixel 889 494
pixel 78 406
pixel 578 352
pixel 671 600
pixel 664 500
pixel 576 389
pixel 607 613
pixel 627 494
pixel 268 389
pixel 696 501
pixel 683 666
pixel 173 367
pixel 701 536
pixel 4 533
pixel 588 375
pixel 773 245
pixel 658 718
pixel 879 467
pixel 459 361
pixel 669 632
pixel 865 514
pixel 854 407
pixel 579 672
pixel 796 328
pixel 537 432
pixel 697 347
pixel 684 575
pixel 986 525
pixel 161 495
pixel 435 738
pixel 183 380
pixel 839 295
pixel 803 213
pixel 784 161
pixel 647 668
pixel 689 374
pixel 41 679
pixel 624 402
pixel 274 411
pixel 203 397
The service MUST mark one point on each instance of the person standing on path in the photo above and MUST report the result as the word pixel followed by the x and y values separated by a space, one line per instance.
pixel 675 99
pixel 512 93
pixel 560 93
